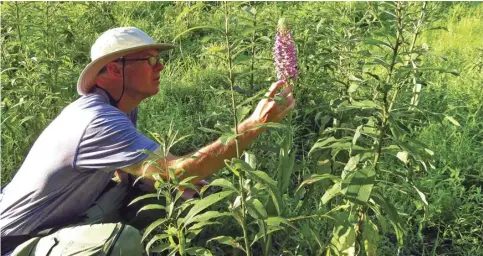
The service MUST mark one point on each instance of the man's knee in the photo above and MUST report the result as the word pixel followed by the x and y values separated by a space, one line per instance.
pixel 128 242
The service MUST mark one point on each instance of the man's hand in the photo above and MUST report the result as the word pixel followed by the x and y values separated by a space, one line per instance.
pixel 270 111
pixel 189 193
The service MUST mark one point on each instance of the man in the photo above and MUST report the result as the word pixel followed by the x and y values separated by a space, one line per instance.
pixel 73 160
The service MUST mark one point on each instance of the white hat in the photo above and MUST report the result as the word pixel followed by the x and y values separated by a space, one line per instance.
pixel 111 45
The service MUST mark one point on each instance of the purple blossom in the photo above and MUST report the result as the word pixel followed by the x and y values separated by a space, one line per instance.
pixel 284 51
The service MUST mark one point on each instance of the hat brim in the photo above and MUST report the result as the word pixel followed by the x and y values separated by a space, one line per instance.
pixel 87 78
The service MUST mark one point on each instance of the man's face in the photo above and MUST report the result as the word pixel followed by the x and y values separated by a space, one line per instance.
pixel 141 79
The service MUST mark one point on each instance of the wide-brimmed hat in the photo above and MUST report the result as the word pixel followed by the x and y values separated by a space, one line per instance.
pixel 111 45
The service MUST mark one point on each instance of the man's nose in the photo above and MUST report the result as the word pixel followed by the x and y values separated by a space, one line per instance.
pixel 159 66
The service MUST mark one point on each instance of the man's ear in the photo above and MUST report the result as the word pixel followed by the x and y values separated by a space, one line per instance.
pixel 113 69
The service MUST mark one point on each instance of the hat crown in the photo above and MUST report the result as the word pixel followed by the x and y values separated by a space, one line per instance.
pixel 118 39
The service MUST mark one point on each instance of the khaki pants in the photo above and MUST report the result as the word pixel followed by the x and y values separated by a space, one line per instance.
pixel 97 239
pixel 105 231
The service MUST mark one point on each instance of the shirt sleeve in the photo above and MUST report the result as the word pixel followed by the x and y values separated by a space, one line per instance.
pixel 110 142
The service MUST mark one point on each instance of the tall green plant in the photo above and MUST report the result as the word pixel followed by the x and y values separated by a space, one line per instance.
pixel 370 128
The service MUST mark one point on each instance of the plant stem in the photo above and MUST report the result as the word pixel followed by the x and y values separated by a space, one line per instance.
pixel 230 75
pixel 359 229
pixel 386 108
pixel 253 51
pixel 411 47
pixel 235 119
pixel 18 22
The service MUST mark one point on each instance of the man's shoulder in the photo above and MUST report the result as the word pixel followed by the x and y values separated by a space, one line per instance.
pixel 90 107
pixel 91 102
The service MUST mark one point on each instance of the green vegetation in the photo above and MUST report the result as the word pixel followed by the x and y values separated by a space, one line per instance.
pixel 382 155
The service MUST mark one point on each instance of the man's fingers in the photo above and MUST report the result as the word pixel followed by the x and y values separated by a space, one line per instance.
pixel 290 98
pixel 202 183
pixel 274 88
pixel 286 91
pixel 287 110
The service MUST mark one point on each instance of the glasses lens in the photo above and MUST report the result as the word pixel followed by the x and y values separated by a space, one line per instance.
pixel 152 61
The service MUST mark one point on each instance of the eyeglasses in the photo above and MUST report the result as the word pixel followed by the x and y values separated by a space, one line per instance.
pixel 151 60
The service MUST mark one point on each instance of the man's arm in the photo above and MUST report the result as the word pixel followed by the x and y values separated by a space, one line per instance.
pixel 211 158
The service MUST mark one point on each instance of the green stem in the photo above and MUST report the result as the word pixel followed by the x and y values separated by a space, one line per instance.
pixel 18 22
pixel 387 106
pixel 230 75
pixel 253 52
pixel 235 119
pixel 411 47
pixel 359 229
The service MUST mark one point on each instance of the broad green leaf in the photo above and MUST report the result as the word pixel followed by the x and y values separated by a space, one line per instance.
pixel 285 170
pixel 251 159
pixel 256 209
pixel 392 215
pixel 381 62
pixel 341 144
pixel 205 203
pixel 277 221
pixel 361 104
pixel 331 192
pixel 206 216
pixel 241 112
pixel 250 9
pixel 188 179
pixel 403 156
pixel 423 199
pixel 227 137
pixel 200 225
pixel 222 183
pixel 269 125
pixel 241 58
pixel 357 134
pixel 360 184
pixel 351 165
pixel 155 239
pixel 198 251
pixel 429 151
pixel 160 248
pixel 353 87
pixel 343 239
pixel 264 38
pixel 354 78
pixel 316 178
pixel 151 207
pixel 137 199
pixel 376 42
pixel 310 235
pixel 322 143
pixel 370 236
pixel 265 180
pixel 261 234
pixel 452 120
pixel 175 251
pixel 152 226
pixel 241 165
pixel 228 240
pixel 170 208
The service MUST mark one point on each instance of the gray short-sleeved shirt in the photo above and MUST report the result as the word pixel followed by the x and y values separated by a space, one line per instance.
pixel 70 164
